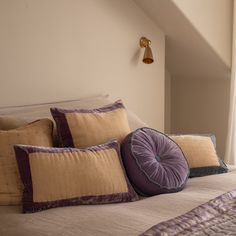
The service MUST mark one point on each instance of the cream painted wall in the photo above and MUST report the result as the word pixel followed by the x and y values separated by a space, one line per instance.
pixel 213 20
pixel 200 99
pixel 201 105
pixel 64 49
pixel 167 102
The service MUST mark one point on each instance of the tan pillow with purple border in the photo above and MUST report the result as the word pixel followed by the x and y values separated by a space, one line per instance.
pixel 88 127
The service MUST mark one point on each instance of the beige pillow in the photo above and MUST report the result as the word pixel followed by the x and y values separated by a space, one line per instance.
pixel 88 127
pixel 201 154
pixel 36 133
pixel 64 176
pixel 11 122
pixel 199 150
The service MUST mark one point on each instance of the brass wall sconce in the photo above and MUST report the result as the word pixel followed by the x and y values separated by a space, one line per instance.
pixel 145 43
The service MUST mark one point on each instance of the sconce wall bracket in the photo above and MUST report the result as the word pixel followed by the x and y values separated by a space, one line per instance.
pixel 144 42
pixel 148 57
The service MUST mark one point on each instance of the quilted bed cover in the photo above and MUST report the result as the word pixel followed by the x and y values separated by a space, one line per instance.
pixel 115 219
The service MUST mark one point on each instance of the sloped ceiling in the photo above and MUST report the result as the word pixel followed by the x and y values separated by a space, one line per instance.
pixel 188 53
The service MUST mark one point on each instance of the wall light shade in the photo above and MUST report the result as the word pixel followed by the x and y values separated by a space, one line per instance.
pixel 148 57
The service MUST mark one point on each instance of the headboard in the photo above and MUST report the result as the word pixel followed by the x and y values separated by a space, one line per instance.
pixel 38 111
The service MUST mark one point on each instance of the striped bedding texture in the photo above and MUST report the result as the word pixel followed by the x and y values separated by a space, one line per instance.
pixel 216 217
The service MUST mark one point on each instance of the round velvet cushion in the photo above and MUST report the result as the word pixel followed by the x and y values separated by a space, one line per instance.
pixel 154 163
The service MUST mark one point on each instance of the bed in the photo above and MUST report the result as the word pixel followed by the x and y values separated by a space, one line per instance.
pixel 131 218
pixel 115 219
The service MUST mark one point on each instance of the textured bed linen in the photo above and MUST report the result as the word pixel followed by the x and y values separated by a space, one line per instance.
pixel 216 217
pixel 115 219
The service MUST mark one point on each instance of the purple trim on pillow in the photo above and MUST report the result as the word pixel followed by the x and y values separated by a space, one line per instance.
pixel 25 174
pixel 32 149
pixel 116 105
pixel 63 130
pixel 29 206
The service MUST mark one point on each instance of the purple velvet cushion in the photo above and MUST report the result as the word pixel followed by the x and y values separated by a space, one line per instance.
pixel 154 163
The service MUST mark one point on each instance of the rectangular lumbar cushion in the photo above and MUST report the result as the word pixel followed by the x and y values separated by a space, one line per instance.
pixel 200 153
pixel 36 133
pixel 55 177
pixel 87 127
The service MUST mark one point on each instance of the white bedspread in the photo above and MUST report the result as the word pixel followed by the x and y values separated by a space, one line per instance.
pixel 115 219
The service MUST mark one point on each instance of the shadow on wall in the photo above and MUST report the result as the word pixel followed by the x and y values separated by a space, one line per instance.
pixel 201 105
pixel 136 57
